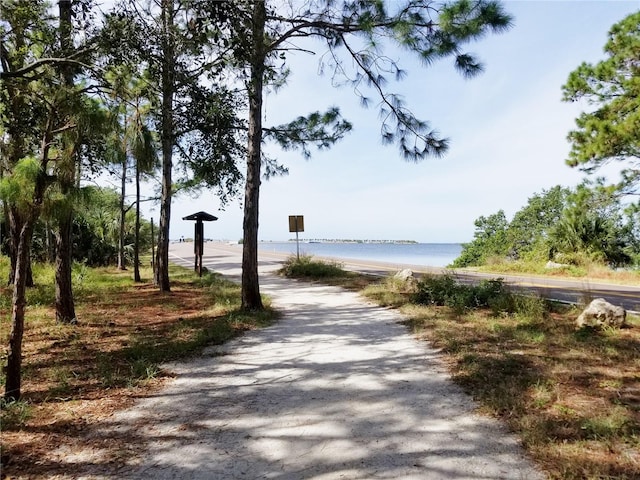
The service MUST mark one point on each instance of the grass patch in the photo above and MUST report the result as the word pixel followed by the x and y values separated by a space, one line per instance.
pixel 74 374
pixel 329 272
pixel 306 267
pixel 590 270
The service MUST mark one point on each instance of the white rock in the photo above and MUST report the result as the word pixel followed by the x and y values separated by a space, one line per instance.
pixel 601 313
pixel 404 275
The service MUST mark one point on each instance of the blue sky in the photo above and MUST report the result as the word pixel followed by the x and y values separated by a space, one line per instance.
pixel 507 131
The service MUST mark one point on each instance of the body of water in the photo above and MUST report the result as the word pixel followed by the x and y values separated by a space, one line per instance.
pixel 425 254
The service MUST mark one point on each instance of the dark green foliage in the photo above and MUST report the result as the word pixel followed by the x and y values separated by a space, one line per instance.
pixel 610 131
pixel 489 239
pixel 95 230
pixel 593 224
pixel 319 129
pixel 306 267
pixel 444 290
pixel 588 224
pixel 527 232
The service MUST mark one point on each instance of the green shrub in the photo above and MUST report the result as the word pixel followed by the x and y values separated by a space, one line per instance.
pixel 435 290
pixel 306 267
pixel 443 290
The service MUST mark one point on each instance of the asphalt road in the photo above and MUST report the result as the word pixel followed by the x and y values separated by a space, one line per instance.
pixel 564 290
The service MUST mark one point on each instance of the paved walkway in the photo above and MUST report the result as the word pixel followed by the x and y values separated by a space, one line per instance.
pixel 335 390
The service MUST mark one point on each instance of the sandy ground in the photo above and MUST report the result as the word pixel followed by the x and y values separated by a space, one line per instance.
pixel 336 390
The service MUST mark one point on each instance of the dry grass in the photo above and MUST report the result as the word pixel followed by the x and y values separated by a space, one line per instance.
pixel 591 271
pixel 75 376
pixel 572 395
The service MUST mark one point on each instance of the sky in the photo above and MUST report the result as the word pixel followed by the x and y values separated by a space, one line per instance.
pixel 507 130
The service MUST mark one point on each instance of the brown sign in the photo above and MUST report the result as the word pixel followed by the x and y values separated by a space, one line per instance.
pixel 296 223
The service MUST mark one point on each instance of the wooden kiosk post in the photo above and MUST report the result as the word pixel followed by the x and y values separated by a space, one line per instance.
pixel 198 239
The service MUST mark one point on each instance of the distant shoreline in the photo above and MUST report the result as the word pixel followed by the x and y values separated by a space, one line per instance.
pixel 346 240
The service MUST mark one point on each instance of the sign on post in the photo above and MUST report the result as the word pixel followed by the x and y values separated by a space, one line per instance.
pixel 296 224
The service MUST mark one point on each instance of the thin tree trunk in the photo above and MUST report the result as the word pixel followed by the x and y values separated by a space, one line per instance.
pixel 251 299
pixel 168 79
pixel 136 244
pixel 13 369
pixel 15 223
pixel 123 187
pixel 14 356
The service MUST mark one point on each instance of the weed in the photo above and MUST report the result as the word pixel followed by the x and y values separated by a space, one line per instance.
pixel 391 292
pixel 14 415
pixel 606 426
pixel 306 267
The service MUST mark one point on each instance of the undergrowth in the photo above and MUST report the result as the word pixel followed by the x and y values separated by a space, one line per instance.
pixel 306 267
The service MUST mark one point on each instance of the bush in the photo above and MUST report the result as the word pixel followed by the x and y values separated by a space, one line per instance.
pixel 435 290
pixel 306 267
pixel 445 291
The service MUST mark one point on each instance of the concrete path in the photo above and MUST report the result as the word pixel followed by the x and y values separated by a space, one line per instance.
pixel 336 390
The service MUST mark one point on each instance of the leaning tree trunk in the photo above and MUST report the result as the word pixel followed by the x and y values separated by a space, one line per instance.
pixel 13 369
pixel 168 87
pixel 16 222
pixel 251 299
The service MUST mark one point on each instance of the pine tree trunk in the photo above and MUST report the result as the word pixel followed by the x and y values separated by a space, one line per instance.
pixel 136 241
pixel 65 306
pixel 168 79
pixel 251 299
pixel 123 187
pixel 14 355
pixel 16 223
pixel 13 370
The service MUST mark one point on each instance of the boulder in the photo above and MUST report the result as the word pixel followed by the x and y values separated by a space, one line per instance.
pixel 601 313
pixel 552 265
pixel 404 275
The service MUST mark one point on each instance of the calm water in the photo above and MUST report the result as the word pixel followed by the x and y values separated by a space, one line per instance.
pixel 426 254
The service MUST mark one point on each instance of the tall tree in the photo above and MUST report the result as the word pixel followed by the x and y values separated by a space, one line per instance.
pixel 178 43
pixel 610 133
pixel 131 144
pixel 527 234
pixel 354 32
pixel 64 302
pixel 30 58
pixel 489 240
